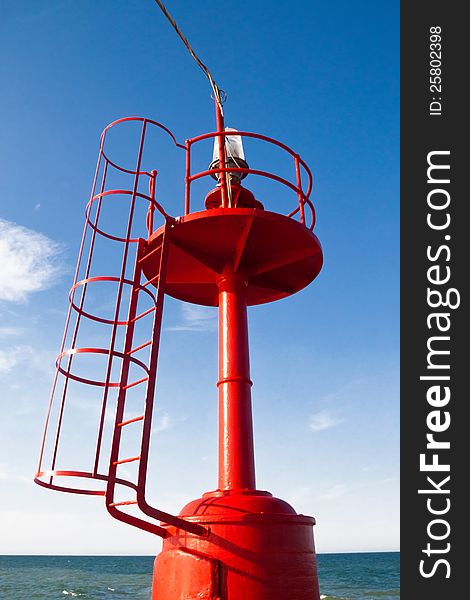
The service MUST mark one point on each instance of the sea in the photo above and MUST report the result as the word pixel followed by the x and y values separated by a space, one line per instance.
pixel 358 576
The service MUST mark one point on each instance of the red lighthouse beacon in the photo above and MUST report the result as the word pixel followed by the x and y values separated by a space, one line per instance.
pixel 231 251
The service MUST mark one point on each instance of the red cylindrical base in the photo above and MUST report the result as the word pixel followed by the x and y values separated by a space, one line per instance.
pixel 257 548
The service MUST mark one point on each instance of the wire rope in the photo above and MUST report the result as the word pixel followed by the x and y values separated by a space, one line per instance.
pixel 219 95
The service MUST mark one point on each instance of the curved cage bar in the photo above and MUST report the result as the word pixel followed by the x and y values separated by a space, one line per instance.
pixel 303 202
pixel 79 474
pixel 145 122
pixel 104 351
pixel 94 317
pixel 152 206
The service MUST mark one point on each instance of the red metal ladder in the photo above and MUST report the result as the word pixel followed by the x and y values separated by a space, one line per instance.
pixel 145 419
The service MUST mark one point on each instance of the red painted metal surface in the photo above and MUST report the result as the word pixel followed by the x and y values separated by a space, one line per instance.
pixel 236 542
pixel 236 451
pixel 258 548
pixel 203 243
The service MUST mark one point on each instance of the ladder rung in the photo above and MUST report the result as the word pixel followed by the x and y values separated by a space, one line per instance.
pixel 134 420
pixel 157 276
pixel 129 385
pixel 124 503
pixel 143 314
pixel 126 460
pixel 140 347
pixel 144 258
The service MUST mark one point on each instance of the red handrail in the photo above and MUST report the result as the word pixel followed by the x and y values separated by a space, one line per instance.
pixel 303 196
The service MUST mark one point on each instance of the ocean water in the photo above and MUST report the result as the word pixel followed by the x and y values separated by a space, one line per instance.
pixel 359 576
pixel 362 576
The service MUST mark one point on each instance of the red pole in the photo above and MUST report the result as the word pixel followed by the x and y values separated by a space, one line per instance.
pixel 222 158
pixel 236 450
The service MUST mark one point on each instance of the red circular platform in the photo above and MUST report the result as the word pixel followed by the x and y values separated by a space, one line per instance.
pixel 277 254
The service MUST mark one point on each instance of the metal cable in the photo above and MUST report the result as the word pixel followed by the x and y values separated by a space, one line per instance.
pixel 215 88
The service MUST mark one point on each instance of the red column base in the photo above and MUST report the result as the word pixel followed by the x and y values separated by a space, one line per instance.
pixel 257 548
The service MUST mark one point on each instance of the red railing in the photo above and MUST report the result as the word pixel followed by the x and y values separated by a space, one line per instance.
pixel 304 203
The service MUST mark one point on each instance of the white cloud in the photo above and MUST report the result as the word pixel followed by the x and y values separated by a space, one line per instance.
pixel 7 361
pixel 164 422
pixel 29 261
pixel 5 476
pixel 308 498
pixel 10 357
pixel 10 331
pixel 301 496
pixel 27 361
pixel 196 318
pixel 323 420
pixel 389 480
pixel 336 491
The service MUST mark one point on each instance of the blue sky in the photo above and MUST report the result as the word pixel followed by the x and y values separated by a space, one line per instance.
pixel 319 76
